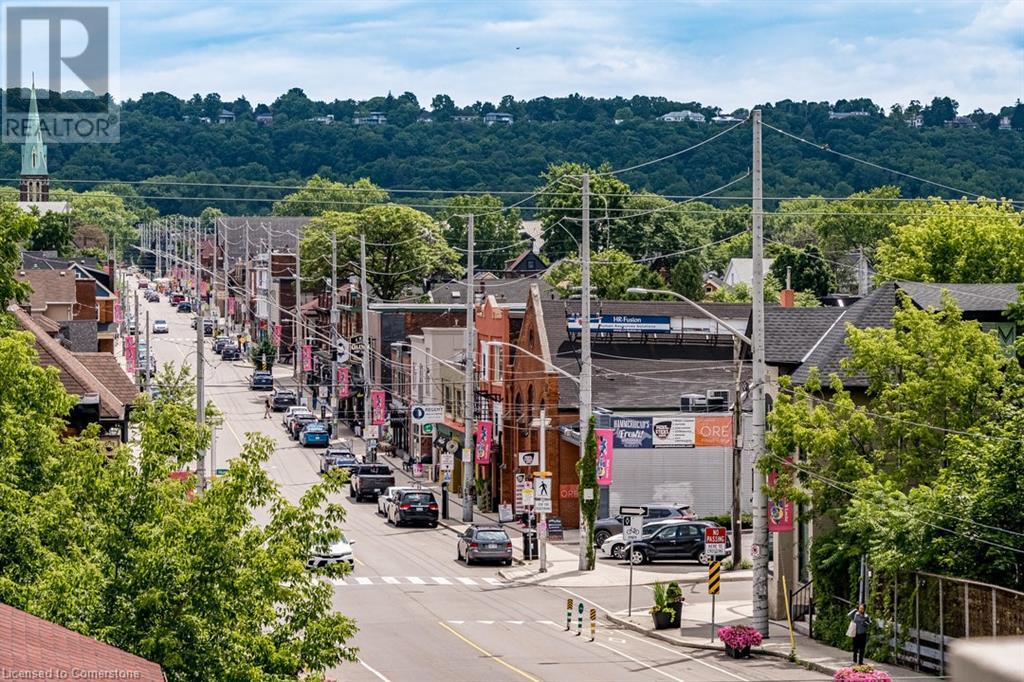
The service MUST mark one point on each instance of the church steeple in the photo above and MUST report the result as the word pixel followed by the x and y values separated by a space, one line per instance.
pixel 35 181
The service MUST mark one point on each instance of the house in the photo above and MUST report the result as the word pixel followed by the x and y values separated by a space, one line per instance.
pixel 425 117
pixel 462 118
pixel 498 117
pixel 741 271
pixel 225 116
pixel 916 121
pixel 374 118
pixel 265 119
pixel 726 118
pixel 840 115
pixel 511 292
pixel 526 264
pixel 105 392
pixel 33 648
pixel 961 122
pixel 326 120
pixel 682 116
pixel 1004 123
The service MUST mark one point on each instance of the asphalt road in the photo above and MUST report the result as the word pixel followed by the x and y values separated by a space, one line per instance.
pixel 422 616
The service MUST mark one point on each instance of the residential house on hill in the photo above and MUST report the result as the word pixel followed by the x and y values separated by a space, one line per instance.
pixel 682 116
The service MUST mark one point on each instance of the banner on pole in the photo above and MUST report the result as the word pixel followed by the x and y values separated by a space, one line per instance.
pixel 605 451
pixel 307 357
pixel 342 381
pixel 130 353
pixel 780 512
pixel 377 405
pixel 484 435
pixel 275 335
pixel 231 305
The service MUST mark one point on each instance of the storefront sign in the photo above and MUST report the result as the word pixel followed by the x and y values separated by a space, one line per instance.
pixel 569 491
pixel 623 323
pixel 483 437
pixel 714 432
pixel 231 305
pixel 605 450
pixel 342 381
pixel 505 513
pixel 307 357
pixel 377 406
pixel 673 432
pixel 632 432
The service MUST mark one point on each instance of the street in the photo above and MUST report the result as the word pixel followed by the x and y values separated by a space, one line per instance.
pixel 424 616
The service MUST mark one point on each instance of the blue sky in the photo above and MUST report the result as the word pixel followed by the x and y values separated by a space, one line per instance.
pixel 722 53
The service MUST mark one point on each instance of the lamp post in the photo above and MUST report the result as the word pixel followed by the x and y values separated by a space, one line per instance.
pixel 737 451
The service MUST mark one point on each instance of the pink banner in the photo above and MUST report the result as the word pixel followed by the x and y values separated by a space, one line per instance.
pixel 231 305
pixel 307 358
pixel 342 380
pixel 605 451
pixel 377 405
pixel 780 512
pixel 130 355
pixel 275 335
pixel 203 288
pixel 484 434
pixel 117 312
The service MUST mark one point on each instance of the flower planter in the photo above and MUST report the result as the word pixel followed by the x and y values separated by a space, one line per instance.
pixel 663 620
pixel 743 652
pixel 861 673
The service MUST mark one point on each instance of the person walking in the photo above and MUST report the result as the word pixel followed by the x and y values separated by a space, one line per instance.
pixel 859 628
pixel 266 408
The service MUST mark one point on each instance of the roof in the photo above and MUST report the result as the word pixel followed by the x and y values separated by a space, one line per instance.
pixel 51 261
pixel 518 260
pixel 47 325
pixel 49 286
pixel 74 375
pixel 29 644
pixel 789 333
pixel 637 375
pixel 742 270
pixel 513 290
pixel 969 297
pixel 106 368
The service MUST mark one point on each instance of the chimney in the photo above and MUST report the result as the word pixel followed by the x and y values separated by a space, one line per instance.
pixel 787 295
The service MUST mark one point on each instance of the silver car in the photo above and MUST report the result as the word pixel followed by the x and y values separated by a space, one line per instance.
pixel 337 552
pixel 485 543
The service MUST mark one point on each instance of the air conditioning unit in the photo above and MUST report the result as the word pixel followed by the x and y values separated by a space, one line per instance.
pixel 693 402
pixel 718 400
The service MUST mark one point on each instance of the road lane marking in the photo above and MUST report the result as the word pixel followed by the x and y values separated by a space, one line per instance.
pixel 489 655
pixel 589 601
pixel 340 582
pixel 466 581
pixel 416 581
pixel 493 581
pixel 391 580
pixel 364 581
pixel 685 655
pixel 639 662
pixel 441 581
pixel 379 676
pixel 485 622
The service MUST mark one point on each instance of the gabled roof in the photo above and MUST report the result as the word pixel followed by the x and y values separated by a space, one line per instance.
pixel 505 291
pixel 518 260
pixel 742 270
pixel 29 644
pixel 74 375
pixel 106 368
pixel 969 297
pixel 789 333
pixel 47 325
pixel 49 286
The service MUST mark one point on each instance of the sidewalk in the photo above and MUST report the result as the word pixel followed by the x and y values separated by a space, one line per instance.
pixel 696 634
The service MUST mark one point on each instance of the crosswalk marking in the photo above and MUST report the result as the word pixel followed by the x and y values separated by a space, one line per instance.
pixel 436 581
pixel 502 622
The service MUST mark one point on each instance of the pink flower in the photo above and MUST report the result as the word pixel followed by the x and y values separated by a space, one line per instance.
pixel 740 636
pixel 861 673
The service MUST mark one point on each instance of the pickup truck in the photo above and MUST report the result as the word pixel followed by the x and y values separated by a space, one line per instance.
pixel 369 481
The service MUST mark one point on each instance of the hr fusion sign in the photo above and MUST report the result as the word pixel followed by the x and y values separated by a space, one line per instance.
pixel 622 323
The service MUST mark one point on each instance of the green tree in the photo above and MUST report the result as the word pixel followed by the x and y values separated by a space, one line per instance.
pixel 657 229
pixel 860 220
pixel 740 292
pixel 560 206
pixel 53 232
pixel 16 227
pixel 293 105
pixel 495 230
pixel 319 195
pixel 808 270
pixel 612 272
pixel 687 277
pixel 796 221
pixel 956 241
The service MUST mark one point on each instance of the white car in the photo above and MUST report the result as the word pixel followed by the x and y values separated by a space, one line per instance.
pixel 391 494
pixel 160 327
pixel 291 411
pixel 615 546
pixel 336 553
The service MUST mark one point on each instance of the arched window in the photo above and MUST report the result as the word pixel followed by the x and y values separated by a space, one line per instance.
pixel 35 160
pixel 529 411
pixel 520 416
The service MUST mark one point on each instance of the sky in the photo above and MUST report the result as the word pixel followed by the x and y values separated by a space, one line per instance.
pixel 721 53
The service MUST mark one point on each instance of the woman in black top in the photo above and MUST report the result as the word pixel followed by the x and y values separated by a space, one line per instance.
pixel 860 639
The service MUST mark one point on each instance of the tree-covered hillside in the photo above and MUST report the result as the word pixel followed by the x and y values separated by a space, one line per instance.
pixel 165 139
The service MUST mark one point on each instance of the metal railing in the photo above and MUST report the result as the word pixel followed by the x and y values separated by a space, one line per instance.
pixel 801 606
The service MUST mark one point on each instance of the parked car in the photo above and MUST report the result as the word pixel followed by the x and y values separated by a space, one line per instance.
pixel 219 343
pixel 369 481
pixel 679 541
pixel 484 543
pixel 261 381
pixel 334 553
pixel 314 433
pixel 160 327
pixel 231 352
pixel 615 547
pixel 389 497
pixel 282 399
pixel 152 296
pixel 207 327
pixel 185 307
pixel 337 458
pixel 299 422
pixel 131 326
pixel 291 412
pixel 415 506
pixel 176 298
pixel 607 527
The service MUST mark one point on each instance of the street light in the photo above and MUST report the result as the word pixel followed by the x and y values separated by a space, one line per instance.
pixel 737 547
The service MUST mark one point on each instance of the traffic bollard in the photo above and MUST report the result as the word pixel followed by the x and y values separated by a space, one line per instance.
pixel 444 501
pixel 579 625
pixel 593 624
pixel 568 615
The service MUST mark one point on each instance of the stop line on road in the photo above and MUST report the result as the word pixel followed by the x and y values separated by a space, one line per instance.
pixel 435 581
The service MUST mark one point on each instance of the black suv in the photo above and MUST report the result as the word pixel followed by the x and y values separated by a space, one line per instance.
pixel 231 351
pixel 415 506
pixel 605 528
pixel 282 398
pixel 676 541
pixel 263 381
pixel 220 342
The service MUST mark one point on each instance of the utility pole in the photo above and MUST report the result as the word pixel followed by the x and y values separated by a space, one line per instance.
pixel 586 537
pixel 248 284
pixel 862 273
pixel 759 549
pixel 213 280
pixel 200 400
pixel 149 358
pixel 135 321
pixel 333 395
pixel 737 455
pixel 298 341
pixel 469 442
pixel 543 522
pixel 227 289
pixel 364 295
